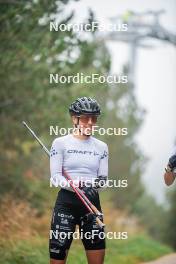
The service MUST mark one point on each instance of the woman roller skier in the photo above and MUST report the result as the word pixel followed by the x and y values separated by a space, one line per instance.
pixel 85 159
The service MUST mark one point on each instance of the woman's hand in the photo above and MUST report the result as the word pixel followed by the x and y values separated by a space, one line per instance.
pixel 90 192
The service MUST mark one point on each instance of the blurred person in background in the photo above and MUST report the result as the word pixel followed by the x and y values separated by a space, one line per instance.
pixel 170 170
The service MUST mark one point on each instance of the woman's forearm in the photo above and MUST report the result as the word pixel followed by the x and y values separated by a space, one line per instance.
pixel 169 177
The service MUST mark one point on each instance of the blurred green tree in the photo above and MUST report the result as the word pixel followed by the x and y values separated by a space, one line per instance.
pixel 170 231
pixel 29 53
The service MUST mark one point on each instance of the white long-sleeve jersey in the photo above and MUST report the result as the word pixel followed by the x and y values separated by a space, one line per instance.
pixel 83 160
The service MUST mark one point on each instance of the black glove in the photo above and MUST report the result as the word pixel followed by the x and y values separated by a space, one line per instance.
pixel 90 192
pixel 172 162
pixel 100 182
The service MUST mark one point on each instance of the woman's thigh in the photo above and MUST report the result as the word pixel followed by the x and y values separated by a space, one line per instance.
pixel 92 236
pixel 62 228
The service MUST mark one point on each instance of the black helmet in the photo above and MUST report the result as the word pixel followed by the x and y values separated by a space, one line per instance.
pixel 85 105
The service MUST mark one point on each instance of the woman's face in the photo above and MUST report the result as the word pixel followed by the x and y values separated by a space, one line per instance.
pixel 86 123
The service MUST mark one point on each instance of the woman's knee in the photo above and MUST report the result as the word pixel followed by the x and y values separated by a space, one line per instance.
pixel 54 261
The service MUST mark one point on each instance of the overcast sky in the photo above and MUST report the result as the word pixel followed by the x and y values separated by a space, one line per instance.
pixel 154 83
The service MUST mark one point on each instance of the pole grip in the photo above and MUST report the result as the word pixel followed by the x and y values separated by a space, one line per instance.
pixel 99 222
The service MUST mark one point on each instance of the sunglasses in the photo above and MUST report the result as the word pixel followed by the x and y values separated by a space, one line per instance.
pixel 85 118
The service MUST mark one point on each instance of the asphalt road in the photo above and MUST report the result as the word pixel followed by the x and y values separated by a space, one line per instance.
pixel 168 259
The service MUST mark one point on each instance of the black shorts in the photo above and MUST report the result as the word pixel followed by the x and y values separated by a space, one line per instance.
pixel 67 213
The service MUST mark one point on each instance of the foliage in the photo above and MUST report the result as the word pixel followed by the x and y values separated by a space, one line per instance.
pixel 132 251
pixel 170 231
